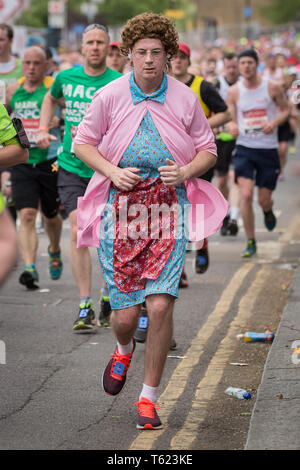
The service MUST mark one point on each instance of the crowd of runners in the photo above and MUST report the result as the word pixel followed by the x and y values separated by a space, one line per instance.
pixel 249 113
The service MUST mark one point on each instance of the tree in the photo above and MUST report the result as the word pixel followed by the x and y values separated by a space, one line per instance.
pixel 35 16
pixel 282 12
pixel 118 12
pixel 115 12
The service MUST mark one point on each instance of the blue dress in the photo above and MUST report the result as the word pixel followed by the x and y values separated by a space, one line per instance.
pixel 147 152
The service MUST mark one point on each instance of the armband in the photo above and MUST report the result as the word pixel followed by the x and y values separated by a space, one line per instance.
pixel 21 134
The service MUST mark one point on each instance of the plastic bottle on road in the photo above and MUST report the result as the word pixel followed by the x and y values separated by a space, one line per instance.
pixel 251 336
pixel 238 393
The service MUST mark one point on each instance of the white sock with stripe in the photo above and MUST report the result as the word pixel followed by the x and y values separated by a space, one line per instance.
pixel 149 392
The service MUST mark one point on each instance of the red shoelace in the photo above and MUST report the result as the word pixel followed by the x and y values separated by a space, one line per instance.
pixel 122 360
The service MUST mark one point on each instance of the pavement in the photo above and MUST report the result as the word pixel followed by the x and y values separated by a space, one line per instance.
pixel 275 421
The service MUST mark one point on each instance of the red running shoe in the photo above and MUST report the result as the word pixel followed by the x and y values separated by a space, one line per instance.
pixel 114 376
pixel 148 418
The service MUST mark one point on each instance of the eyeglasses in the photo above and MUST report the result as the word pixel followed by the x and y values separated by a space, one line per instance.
pixel 142 53
pixel 96 25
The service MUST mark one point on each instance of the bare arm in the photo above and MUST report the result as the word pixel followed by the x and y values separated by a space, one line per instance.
pixel 12 155
pixel 10 91
pixel 47 113
pixel 219 119
pixel 231 101
pixel 278 95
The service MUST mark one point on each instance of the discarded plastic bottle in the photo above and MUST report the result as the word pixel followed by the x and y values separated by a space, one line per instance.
pixel 238 393
pixel 251 336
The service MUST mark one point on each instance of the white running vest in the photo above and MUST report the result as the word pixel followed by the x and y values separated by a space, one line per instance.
pixel 224 87
pixel 254 108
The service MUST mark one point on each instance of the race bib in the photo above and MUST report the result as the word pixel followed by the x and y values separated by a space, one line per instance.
pixel 254 120
pixel 31 127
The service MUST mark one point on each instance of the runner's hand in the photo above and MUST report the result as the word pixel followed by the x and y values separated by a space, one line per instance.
pixel 171 174
pixel 233 129
pixel 44 139
pixel 268 128
pixel 125 178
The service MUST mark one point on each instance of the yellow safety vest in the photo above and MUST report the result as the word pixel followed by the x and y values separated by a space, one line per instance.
pixel 47 81
pixel 195 86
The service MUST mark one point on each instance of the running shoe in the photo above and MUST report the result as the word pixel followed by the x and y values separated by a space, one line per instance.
pixel 55 265
pixel 232 227
pixel 292 149
pixel 270 220
pixel 29 277
pixel 105 311
pixel 173 346
pixel 86 317
pixel 140 334
pixel 183 280
pixel 202 261
pixel 223 229
pixel 148 417
pixel 250 249
pixel 114 376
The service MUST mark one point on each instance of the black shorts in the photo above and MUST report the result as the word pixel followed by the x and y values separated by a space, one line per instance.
pixel 285 133
pixel 32 184
pixel 261 165
pixel 225 150
pixel 70 188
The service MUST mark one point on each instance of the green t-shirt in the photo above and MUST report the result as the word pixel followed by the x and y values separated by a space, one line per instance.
pixel 7 130
pixel 14 74
pixel 78 89
pixel 27 107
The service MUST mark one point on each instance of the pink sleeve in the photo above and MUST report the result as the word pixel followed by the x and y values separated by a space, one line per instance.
pixel 200 131
pixel 94 124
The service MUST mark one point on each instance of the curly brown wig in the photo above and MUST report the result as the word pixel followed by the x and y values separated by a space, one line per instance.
pixel 150 25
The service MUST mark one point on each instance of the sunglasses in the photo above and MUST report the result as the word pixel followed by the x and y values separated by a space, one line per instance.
pixel 96 25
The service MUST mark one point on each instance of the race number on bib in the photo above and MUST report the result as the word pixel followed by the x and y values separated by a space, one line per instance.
pixel 254 120
pixel 31 127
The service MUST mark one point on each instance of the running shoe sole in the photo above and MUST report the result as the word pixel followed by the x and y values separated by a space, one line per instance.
pixel 26 279
pixel 149 427
pixel 83 326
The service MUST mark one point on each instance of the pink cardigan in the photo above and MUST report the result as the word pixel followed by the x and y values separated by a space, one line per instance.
pixel 111 122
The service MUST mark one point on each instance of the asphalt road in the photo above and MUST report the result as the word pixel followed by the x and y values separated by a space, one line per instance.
pixel 51 397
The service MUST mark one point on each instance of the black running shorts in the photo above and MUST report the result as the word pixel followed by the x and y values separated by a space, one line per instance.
pixel 261 165
pixel 70 187
pixel 225 150
pixel 32 184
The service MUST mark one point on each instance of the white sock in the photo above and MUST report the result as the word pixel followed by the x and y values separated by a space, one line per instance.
pixel 125 348
pixel 234 213
pixel 149 392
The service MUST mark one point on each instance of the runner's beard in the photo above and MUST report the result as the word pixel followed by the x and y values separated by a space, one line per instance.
pixel 97 65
